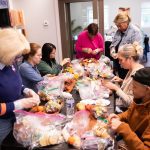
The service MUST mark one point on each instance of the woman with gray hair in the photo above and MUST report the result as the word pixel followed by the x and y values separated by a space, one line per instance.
pixel 12 45
pixel 128 57
pixel 127 33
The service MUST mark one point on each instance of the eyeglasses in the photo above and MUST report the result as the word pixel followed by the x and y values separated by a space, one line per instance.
pixel 120 25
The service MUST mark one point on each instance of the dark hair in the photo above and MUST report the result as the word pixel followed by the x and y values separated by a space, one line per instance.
pixel 46 51
pixel 33 50
pixel 92 28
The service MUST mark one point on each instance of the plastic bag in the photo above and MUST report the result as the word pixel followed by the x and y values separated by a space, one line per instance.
pixel 36 130
pixel 91 89
pixel 84 87
pixel 81 123
pixel 78 69
pixel 105 71
pixel 104 59
pixel 51 85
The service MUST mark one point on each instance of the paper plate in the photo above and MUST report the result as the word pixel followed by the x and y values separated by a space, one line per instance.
pixel 88 101
pixel 103 102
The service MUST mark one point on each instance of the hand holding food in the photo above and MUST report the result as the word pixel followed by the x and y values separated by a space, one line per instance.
pixel 26 103
pixel 96 51
pixel 115 123
pixel 116 79
pixel 87 50
pixel 113 116
pixel 113 53
pixel 30 93
pixel 65 61
pixel 109 85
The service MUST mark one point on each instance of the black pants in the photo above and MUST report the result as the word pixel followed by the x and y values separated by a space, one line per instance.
pixel 117 69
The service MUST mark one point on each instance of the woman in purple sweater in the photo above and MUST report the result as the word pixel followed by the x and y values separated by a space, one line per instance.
pixel 90 43
pixel 12 45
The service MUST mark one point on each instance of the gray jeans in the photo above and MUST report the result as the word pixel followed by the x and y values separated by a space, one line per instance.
pixel 6 126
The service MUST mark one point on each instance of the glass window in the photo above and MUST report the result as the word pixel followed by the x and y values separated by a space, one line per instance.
pixel 145 15
pixel 106 17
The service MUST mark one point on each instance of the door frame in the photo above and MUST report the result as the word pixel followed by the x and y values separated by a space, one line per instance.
pixel 64 18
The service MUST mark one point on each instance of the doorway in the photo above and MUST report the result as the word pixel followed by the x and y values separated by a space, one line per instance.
pixel 75 16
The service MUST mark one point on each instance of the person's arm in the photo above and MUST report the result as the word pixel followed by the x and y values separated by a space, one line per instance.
pixel 132 140
pixel 137 36
pixel 124 116
pixel 6 108
pixel 126 98
pixel 30 74
pixel 79 47
pixel 114 42
pixel 47 69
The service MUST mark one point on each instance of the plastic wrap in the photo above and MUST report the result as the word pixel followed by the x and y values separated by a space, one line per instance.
pixel 82 132
pixel 78 69
pixel 36 130
pixel 91 89
pixel 51 85
pixel 81 123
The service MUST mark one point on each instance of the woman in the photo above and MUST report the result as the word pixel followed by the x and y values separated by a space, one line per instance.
pixel 134 124
pixel 48 64
pixel 128 56
pixel 28 69
pixel 12 45
pixel 90 43
pixel 127 33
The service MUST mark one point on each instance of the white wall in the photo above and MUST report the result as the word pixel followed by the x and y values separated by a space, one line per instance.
pixel 36 11
pixel 135 10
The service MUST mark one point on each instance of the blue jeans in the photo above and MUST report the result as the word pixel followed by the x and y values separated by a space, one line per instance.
pixel 6 125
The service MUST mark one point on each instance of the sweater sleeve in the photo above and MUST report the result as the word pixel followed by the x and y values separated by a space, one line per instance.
pixel 126 98
pixel 6 108
pixel 132 140
pixel 30 74
pixel 124 116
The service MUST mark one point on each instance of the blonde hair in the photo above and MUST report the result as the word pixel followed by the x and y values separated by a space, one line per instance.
pixel 122 17
pixel 131 50
pixel 12 44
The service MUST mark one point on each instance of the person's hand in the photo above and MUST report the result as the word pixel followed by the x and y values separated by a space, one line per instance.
pixel 65 61
pixel 109 85
pixel 30 93
pixel 116 79
pixel 26 103
pixel 113 116
pixel 87 50
pixel 113 53
pixel 114 124
pixel 96 51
